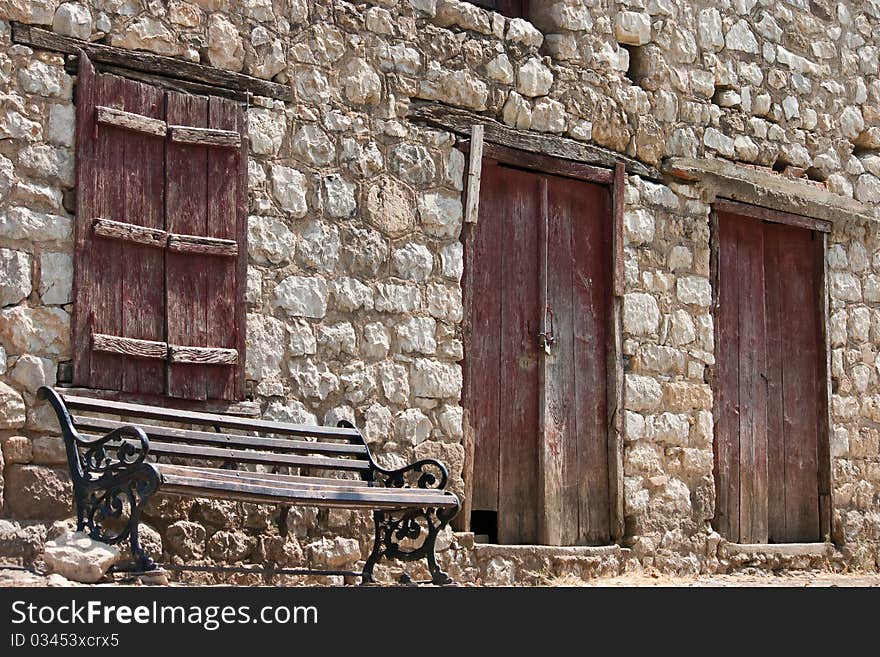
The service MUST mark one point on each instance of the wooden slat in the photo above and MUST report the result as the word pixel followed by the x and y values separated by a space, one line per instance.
pixel 614 359
pixel 121 230
pixel 483 343
pixel 114 344
pixel 230 440
pixel 520 362
pixel 196 244
pixel 619 255
pixel 202 355
pixel 75 402
pixel 826 501
pixel 475 165
pixel 589 209
pixel 149 63
pixel 246 475
pixel 186 275
pixel 773 216
pixel 159 448
pixel 143 298
pixel 244 409
pixel 183 134
pixel 462 121
pixel 83 261
pixel 131 121
pixel 358 498
pixel 545 164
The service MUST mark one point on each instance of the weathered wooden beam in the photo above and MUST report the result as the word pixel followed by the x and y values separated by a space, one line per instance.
pixel 774 216
pixel 241 409
pixel 130 121
pixel 147 62
pixel 202 355
pixel 183 134
pixel 202 245
pixel 462 122
pixel 475 166
pixel 119 230
pixel 115 344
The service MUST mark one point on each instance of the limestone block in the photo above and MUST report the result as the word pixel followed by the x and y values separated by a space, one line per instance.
pixel 80 558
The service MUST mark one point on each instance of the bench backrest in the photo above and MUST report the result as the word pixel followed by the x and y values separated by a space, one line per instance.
pixel 225 438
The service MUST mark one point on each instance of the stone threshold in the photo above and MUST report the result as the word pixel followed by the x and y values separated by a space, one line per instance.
pixel 489 550
pixel 782 549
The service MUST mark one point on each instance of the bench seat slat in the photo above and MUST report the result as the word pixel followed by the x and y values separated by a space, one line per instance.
pixel 276 476
pixel 265 458
pixel 228 440
pixel 365 498
pixel 111 407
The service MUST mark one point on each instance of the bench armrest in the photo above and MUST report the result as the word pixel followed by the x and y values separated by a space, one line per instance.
pixel 425 473
pixel 99 458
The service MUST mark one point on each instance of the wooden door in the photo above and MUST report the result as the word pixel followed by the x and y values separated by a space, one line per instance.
pixel 539 260
pixel 768 382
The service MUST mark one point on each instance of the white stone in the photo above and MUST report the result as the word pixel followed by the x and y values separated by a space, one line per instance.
pixel 851 122
pixel 225 45
pixel 694 290
pixel 500 69
pixel 377 424
pixel 395 382
pixel 715 139
pixel 337 339
pixel 56 278
pixel 314 146
pixel 517 111
pixel 845 286
pixel 270 240
pixel 433 379
pixel 7 178
pixel 444 302
pixel 867 188
pixel 412 163
pixel 15 276
pixel 548 115
pixel 350 294
pixel 291 411
pixel 301 338
pixel 533 78
pixel 289 190
pixel 376 342
pixel 740 37
pixel 680 257
pixel 416 334
pixel 638 226
pixel 39 330
pixel 339 196
pixel 642 393
pixel 680 330
pixel 709 33
pixel 12 408
pixel 641 315
pixel 31 372
pixel 523 32
pixel 440 213
pixel 301 296
pixel 265 130
pixel 333 552
pixel 80 558
pixel 73 20
pixel 670 429
pixel 632 28
pixel 413 262
pixel 451 423
pixel 319 245
pixel 393 298
pixel 265 347
pixel 314 380
pixel 451 259
pixel 45 80
pixel 412 427
pixel 361 83
pixel 148 33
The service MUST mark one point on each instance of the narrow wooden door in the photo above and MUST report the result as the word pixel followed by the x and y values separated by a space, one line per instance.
pixel 768 382
pixel 540 262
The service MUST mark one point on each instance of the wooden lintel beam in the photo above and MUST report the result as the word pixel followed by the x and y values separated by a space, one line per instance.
pixel 147 62
pixel 773 216
pixel 462 121
pixel 183 134
pixel 202 355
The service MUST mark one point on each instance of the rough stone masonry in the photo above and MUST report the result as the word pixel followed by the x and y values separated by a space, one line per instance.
pixel 355 264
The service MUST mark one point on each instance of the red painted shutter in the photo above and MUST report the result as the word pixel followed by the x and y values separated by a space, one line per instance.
pixel 205 262
pixel 119 306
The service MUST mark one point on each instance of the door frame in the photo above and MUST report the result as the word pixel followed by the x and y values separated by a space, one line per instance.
pixel 615 180
pixel 822 228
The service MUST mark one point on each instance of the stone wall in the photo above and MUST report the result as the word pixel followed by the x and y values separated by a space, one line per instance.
pixel 355 211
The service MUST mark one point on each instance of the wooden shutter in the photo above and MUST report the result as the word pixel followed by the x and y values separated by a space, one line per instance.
pixel 119 310
pixel 205 270
pixel 161 212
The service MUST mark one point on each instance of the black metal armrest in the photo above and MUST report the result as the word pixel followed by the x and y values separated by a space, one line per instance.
pixel 100 458
pixel 425 473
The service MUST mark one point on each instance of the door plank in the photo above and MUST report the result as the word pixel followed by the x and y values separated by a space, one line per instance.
pixel 186 275
pixel 483 344
pixel 518 467
pixel 591 282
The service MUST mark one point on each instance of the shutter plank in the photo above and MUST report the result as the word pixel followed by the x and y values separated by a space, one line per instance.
pixel 202 355
pixel 186 275
pixel 223 224
pixel 115 344
pixel 184 134
pixel 134 121
pixel 143 302
pixel 83 279
pixel 202 245
pixel 120 230
pixel 105 306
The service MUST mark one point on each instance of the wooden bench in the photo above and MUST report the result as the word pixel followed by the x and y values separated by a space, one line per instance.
pixel 116 466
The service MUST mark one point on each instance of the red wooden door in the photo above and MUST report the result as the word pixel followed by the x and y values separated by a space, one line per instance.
pixel 525 404
pixel 767 383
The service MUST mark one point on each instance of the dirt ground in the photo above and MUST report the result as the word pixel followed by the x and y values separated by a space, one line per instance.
pixel 797 579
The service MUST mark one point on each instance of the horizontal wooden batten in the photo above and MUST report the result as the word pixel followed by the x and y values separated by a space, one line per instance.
pixel 147 62
pixel 119 230
pixel 202 355
pixel 773 216
pixel 183 134
pixel 135 348
pixel 130 121
pixel 202 245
